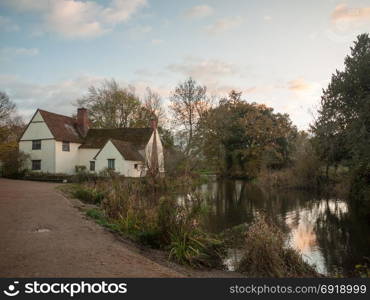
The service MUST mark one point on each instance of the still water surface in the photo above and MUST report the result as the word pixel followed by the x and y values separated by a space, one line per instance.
pixel 327 231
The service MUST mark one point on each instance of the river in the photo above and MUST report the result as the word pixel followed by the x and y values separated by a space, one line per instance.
pixel 327 231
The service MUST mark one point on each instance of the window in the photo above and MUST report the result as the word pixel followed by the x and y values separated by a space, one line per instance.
pixel 65 146
pixel 36 165
pixel 92 165
pixel 111 164
pixel 36 144
pixel 136 166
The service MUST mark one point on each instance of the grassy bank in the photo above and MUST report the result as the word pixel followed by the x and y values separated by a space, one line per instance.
pixel 148 212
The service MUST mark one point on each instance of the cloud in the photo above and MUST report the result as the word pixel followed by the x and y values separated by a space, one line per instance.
pixel 225 24
pixel 343 13
pixel 347 22
pixel 79 19
pixel 157 41
pixel 299 85
pixel 60 96
pixel 55 97
pixel 199 11
pixel 9 52
pixel 139 31
pixel 218 75
pixel 203 68
pixel 8 25
pixel 267 18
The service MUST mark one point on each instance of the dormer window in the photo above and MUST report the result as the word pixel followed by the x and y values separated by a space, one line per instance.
pixel 36 144
pixel 65 146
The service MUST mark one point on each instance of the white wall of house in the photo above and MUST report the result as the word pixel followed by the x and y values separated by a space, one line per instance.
pixel 38 130
pixel 65 161
pixel 85 156
pixel 46 154
pixel 148 151
pixel 122 166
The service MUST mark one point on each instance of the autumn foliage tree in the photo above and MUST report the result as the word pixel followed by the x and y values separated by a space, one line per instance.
pixel 11 127
pixel 239 137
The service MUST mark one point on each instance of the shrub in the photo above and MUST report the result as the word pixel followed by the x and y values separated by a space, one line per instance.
pixel 266 255
pixel 100 218
pixel 88 195
pixel 13 161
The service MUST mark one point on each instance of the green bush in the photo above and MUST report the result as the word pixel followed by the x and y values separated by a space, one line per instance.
pixel 14 163
pixel 87 195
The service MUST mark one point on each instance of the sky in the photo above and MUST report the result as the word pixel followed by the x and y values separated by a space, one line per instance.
pixel 279 52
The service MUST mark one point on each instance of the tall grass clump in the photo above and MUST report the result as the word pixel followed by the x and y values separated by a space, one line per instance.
pixel 87 194
pixel 148 212
pixel 181 230
pixel 266 253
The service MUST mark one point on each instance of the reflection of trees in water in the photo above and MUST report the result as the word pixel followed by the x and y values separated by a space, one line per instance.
pixel 342 237
pixel 323 225
pixel 235 202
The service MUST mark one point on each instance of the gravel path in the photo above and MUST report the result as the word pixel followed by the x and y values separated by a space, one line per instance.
pixel 42 235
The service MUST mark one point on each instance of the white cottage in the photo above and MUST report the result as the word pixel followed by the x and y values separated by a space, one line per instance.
pixel 59 144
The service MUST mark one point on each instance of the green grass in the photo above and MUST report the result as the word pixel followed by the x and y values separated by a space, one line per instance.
pixel 100 218
pixel 83 193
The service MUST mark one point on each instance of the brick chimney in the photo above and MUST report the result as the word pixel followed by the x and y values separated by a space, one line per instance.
pixel 154 123
pixel 82 121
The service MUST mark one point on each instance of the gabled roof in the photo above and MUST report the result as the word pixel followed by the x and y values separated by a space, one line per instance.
pixel 126 149
pixel 63 128
pixel 137 137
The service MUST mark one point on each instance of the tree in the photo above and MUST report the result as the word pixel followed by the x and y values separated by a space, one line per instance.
pixel 111 106
pixel 342 129
pixel 239 137
pixel 188 102
pixel 11 127
pixel 7 107
pixel 151 108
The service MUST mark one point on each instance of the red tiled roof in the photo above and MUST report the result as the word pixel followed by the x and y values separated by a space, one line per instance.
pixel 127 140
pixel 127 150
pixel 138 137
pixel 62 127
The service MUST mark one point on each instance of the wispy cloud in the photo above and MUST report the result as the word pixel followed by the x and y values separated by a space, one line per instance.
pixel 79 19
pixel 299 85
pixel 203 68
pixel 157 41
pixel 343 13
pixel 225 24
pixel 10 52
pixel 29 96
pixel 8 25
pixel 199 11
pixel 60 96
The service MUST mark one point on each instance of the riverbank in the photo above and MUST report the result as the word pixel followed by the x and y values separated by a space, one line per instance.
pixel 156 255
pixel 152 214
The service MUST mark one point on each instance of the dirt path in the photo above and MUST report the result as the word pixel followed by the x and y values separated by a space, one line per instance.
pixel 42 235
